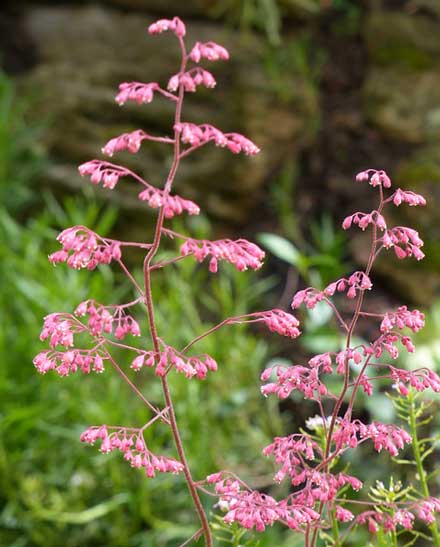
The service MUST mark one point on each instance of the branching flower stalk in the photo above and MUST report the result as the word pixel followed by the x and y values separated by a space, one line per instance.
pixel 86 340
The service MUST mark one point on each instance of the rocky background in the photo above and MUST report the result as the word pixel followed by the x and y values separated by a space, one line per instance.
pixel 326 88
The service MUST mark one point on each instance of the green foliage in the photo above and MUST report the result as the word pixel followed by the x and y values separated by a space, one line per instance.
pixel 55 491
pixel 20 157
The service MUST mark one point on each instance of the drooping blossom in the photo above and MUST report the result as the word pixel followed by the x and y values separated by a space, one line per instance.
pixel 375 178
pixel 292 378
pixel 175 25
pixel 241 253
pixel 108 319
pixel 344 358
pixel 208 50
pixel 170 358
pixel 103 171
pixel 343 515
pixel 64 363
pixel 363 220
pixel 405 241
pixel 191 79
pixel 323 361
pixel 419 379
pixel 131 443
pixel 60 329
pixel 130 142
pixel 140 93
pixel 387 342
pixel 290 453
pixel 253 509
pixel 401 318
pixel 82 250
pixel 279 321
pixel 405 196
pixel 198 135
pixel 173 205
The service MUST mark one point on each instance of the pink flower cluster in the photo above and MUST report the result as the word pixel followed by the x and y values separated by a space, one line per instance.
pixel 405 196
pixel 291 378
pixel 82 250
pixel 405 241
pixel 251 509
pixel 279 321
pixel 363 220
pixel 241 253
pixel 101 320
pixel 384 436
pixel 103 171
pixel 131 443
pixel 414 320
pixel 170 358
pixel 139 93
pixel 127 141
pixel 191 79
pixel 60 328
pixel 358 281
pixel 419 379
pixel 173 205
pixel 425 510
pixel 208 50
pixel 387 342
pixel 175 25
pixel 69 361
pixel 375 178
pixel 198 135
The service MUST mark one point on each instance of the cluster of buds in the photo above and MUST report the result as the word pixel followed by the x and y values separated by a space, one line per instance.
pixel 358 281
pixel 173 205
pixel 387 342
pixel 191 79
pixel 241 253
pixel 60 329
pixel 131 443
pixel 170 358
pixel 252 509
pixel 404 196
pixel 208 50
pixel 198 135
pixel 278 321
pixel 175 25
pixel 103 171
pixel 405 242
pixel 424 509
pixel 108 319
pixel 419 379
pixel 363 220
pixel 82 250
pixel 64 363
pixel 401 318
pixel 139 93
pixel 292 378
pixel 375 178
pixel 131 142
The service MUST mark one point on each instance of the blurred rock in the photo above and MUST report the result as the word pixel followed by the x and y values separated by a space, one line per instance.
pixel 86 51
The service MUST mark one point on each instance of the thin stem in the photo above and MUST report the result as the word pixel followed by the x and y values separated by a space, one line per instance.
pixel 419 463
pixel 134 388
pixel 151 319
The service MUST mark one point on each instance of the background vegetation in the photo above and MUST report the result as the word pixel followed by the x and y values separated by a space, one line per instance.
pixel 53 491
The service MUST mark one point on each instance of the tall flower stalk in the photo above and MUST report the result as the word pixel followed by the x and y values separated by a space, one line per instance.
pixel 87 340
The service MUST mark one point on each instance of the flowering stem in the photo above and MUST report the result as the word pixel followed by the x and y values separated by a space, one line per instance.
pixel 150 310
pixel 419 462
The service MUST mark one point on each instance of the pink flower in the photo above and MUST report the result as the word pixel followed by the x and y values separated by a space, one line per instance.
pixel 363 220
pixel 198 135
pixel 175 25
pixel 414 320
pixel 108 319
pixel 131 443
pixel 127 141
pixel 208 50
pixel 280 322
pixel 406 242
pixel 375 178
pixel 173 205
pixel 82 250
pixel 343 515
pixel 137 92
pixel 404 196
pixel 293 378
pixel 241 253
pixel 191 80
pixel 64 363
